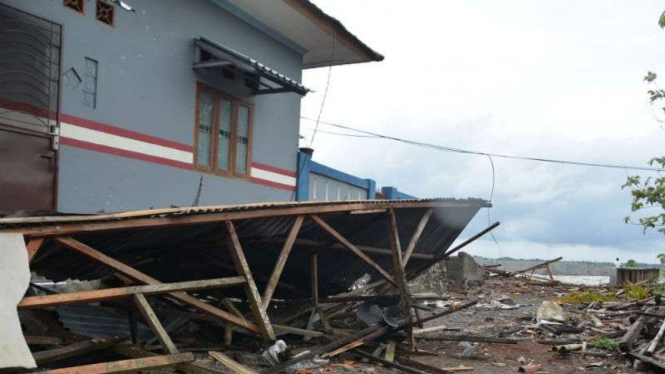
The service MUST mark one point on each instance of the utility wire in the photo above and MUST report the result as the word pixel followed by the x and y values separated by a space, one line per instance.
pixel 480 153
pixel 325 93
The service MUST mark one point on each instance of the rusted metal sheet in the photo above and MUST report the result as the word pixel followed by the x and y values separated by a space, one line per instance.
pixel 30 49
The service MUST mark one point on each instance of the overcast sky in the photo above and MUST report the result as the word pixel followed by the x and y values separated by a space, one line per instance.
pixel 554 79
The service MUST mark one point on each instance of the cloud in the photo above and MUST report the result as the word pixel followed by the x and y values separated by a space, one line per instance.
pixel 524 78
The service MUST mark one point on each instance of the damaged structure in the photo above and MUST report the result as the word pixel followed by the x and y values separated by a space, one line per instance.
pixel 238 263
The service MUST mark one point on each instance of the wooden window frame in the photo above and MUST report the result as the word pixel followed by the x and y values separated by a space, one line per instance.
pixel 83 7
pixel 233 141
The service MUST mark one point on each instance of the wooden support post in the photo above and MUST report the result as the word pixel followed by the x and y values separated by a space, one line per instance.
pixel 260 316
pixel 228 330
pixel 126 366
pixel 144 278
pixel 155 325
pixel 133 326
pixel 400 276
pixel 33 246
pixel 84 297
pixel 327 228
pixel 281 262
pixel 416 235
pixel 549 272
pixel 314 278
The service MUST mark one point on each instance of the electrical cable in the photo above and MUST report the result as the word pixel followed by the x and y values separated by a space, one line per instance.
pixel 480 153
pixel 325 93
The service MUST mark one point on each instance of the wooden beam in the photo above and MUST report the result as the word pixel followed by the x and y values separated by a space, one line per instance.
pixel 242 267
pixel 75 349
pixel 400 276
pixel 144 278
pixel 156 326
pixel 126 366
pixel 362 248
pixel 42 340
pixel 314 277
pixel 50 226
pixel 541 265
pixel 231 364
pixel 416 235
pixel 33 246
pixel 327 228
pixel 281 262
pixel 84 297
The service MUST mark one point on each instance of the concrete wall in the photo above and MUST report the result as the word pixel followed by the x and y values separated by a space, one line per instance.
pixel 146 84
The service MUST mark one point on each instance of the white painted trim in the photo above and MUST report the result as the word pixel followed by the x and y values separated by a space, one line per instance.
pixel 273 177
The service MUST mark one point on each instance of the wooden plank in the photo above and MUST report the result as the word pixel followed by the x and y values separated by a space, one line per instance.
pixel 156 326
pixel 228 330
pixel 42 340
pixel 400 276
pixel 314 278
pixel 387 363
pixel 82 224
pixel 144 278
pixel 541 265
pixel 33 246
pixel 126 366
pixel 84 297
pixel 363 248
pixel 281 262
pixel 231 364
pixel 327 228
pixel 75 349
pixel 416 235
pixel 238 256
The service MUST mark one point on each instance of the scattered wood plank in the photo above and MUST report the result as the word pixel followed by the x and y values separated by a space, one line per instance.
pixel 154 323
pixel 84 297
pixel 281 262
pixel 457 369
pixel 144 278
pixel 469 338
pixel 631 335
pixel 240 262
pixel 75 349
pixel 231 364
pixel 332 232
pixel 126 366
pixel 387 363
pixel 420 366
pixel 654 343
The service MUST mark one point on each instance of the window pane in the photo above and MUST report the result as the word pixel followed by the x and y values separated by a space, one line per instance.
pixel 205 129
pixel 224 136
pixel 243 140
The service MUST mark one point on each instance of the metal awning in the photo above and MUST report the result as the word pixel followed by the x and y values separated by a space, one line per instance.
pixel 259 77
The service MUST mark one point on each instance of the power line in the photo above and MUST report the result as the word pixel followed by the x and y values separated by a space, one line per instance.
pixel 465 151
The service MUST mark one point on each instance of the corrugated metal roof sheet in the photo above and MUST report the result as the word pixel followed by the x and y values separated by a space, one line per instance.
pixel 198 251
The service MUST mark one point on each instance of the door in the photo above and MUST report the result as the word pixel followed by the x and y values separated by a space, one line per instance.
pixel 29 108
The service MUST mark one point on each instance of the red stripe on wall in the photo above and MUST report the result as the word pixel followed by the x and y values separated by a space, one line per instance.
pixel 274 169
pixel 272 184
pixel 124 153
pixel 78 121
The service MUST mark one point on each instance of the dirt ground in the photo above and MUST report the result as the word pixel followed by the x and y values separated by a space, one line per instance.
pixel 496 358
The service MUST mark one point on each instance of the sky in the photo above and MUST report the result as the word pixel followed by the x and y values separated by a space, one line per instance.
pixel 554 79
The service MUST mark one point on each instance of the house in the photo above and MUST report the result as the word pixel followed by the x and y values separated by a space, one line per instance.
pixel 110 105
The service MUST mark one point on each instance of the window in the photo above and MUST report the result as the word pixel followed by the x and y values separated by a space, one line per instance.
pixel 223 134
pixel 77 5
pixel 90 83
pixel 105 12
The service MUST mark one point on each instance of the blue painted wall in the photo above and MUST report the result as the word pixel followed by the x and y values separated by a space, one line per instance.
pixel 146 84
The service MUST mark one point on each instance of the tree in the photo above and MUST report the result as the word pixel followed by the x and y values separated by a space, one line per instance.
pixel 649 194
pixel 661 257
pixel 630 264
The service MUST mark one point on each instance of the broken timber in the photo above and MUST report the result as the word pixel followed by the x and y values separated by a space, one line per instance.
pixel 141 277
pixel 126 366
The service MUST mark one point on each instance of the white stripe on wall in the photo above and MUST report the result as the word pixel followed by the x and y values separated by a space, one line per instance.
pixel 273 177
pixel 67 130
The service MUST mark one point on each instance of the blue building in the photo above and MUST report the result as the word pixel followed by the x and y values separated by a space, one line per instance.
pixel 110 105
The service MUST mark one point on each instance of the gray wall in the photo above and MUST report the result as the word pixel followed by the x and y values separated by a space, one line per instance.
pixel 146 84
pixel 336 190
